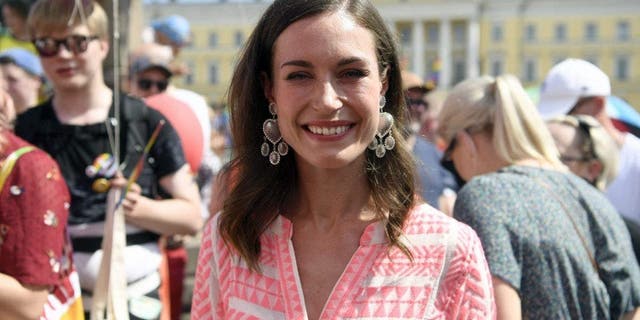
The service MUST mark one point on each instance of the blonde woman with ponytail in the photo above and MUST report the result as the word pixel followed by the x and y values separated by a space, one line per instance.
pixel 556 247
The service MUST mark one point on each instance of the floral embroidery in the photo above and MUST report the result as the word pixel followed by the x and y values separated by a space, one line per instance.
pixel 50 219
pixel 53 174
pixel 15 190
pixel 55 263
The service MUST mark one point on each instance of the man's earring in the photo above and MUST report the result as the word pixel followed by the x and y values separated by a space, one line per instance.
pixel 272 134
pixel 383 139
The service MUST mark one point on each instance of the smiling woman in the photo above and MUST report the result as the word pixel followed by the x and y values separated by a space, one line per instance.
pixel 331 228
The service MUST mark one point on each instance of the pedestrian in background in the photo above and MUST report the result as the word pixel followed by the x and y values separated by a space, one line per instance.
pixel 588 151
pixel 14 20
pixel 24 77
pixel 436 185
pixel 537 222
pixel 77 128
pixel 149 78
pixel 37 275
pixel 575 86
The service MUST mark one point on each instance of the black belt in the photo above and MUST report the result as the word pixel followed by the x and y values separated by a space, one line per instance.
pixel 93 244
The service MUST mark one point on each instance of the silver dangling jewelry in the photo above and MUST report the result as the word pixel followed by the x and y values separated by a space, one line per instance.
pixel 383 139
pixel 272 134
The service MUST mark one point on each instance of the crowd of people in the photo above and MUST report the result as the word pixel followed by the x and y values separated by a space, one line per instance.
pixel 336 184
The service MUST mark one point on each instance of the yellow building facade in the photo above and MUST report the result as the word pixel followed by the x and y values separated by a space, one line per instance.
pixel 445 41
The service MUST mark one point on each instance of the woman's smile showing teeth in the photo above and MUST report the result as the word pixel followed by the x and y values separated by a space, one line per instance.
pixel 328 131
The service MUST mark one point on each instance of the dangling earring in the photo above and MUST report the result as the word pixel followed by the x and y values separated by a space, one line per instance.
pixel 272 134
pixel 383 139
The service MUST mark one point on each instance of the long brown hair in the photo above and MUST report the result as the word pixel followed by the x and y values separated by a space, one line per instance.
pixel 257 191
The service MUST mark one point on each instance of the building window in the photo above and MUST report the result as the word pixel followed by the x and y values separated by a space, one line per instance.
pixel 433 33
pixel 405 36
pixel 530 33
pixel 622 31
pixel 590 32
pixel 459 35
pixel 459 71
pixel 239 39
pixel 530 70
pixel 213 73
pixel 189 76
pixel 497 33
pixel 560 32
pixel 496 67
pixel 622 68
pixel 213 40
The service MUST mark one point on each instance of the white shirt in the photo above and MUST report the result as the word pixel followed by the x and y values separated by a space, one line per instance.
pixel 624 191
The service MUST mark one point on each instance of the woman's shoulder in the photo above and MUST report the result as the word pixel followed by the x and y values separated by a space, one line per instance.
pixel 428 228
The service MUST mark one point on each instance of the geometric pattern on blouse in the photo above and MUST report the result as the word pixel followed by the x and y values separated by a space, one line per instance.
pixel 379 282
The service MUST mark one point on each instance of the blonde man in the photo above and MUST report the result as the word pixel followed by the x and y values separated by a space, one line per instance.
pixel 76 126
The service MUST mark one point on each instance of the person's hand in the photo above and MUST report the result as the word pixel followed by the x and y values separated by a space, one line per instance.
pixel 132 196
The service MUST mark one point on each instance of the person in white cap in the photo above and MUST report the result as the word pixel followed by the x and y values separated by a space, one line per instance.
pixel 575 86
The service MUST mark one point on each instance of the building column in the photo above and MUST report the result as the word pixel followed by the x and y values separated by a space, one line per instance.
pixel 417 48
pixel 444 54
pixel 473 47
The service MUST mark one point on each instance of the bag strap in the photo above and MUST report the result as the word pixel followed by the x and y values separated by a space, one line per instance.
pixel 10 162
pixel 583 240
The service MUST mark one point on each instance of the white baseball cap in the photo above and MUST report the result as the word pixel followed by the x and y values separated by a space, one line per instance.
pixel 567 82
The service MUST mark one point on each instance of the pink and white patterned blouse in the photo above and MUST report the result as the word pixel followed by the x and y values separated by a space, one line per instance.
pixel 448 279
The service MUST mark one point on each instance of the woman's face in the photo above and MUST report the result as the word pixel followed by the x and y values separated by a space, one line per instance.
pixel 326 85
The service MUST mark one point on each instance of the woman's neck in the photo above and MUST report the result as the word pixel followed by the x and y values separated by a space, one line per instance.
pixel 328 198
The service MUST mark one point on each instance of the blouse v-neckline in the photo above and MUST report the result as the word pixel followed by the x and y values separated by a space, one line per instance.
pixel 372 240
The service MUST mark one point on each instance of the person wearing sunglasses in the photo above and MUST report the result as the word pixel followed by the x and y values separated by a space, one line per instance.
pixel 589 152
pixel 585 148
pixel 537 222
pixel 77 127
pixel 576 86
pixel 150 74
pixel 432 179
pixel 149 71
